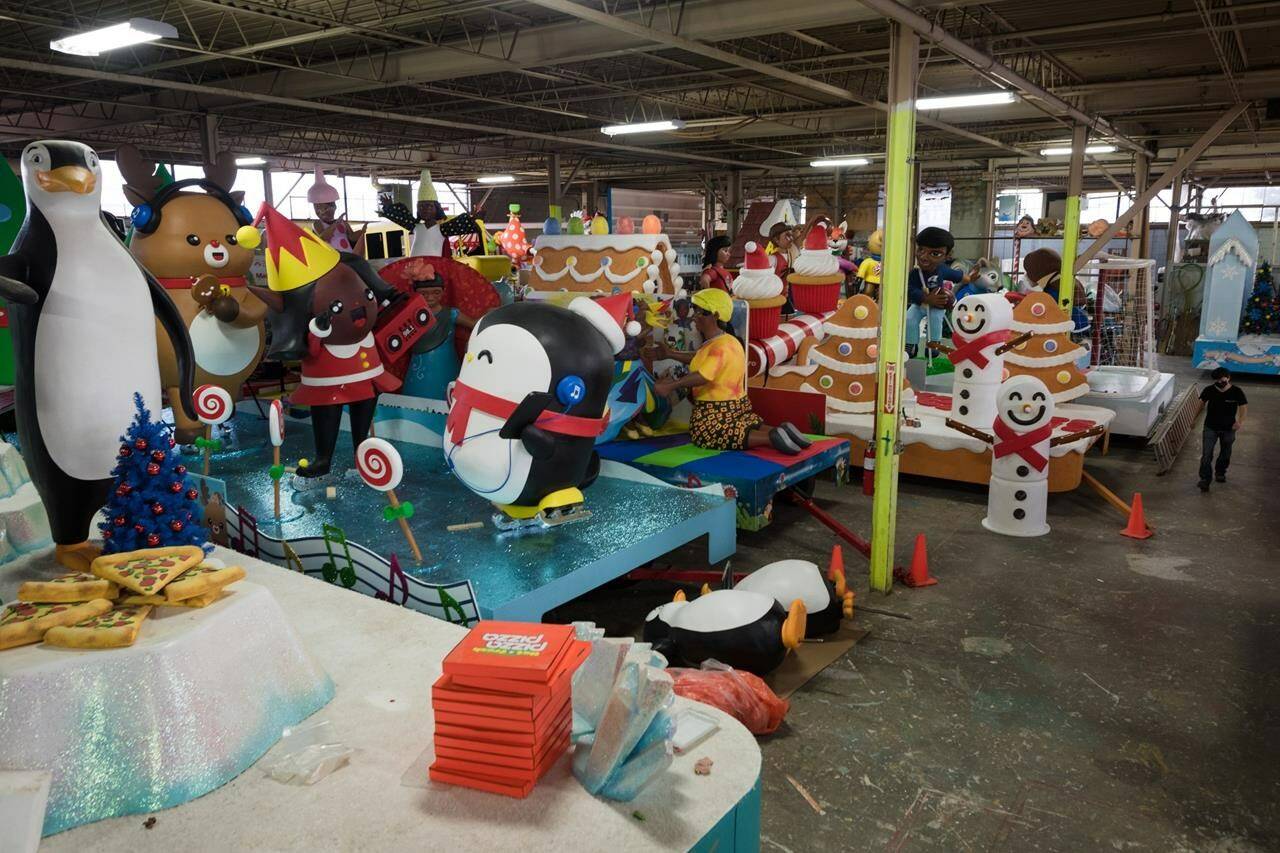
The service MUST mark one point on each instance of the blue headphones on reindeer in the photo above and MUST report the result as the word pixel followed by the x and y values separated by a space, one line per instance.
pixel 146 217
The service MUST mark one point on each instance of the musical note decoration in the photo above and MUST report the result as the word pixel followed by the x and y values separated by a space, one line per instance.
pixel 331 571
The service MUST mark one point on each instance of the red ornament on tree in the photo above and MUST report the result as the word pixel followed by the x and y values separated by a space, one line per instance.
pixel 153 540
pixel 175 486
pixel 176 526
pixel 119 520
pixel 123 489
pixel 192 494
pixel 153 468
pixel 138 528
pixel 181 469
pixel 125 451
pixel 140 443
pixel 157 455
pixel 157 509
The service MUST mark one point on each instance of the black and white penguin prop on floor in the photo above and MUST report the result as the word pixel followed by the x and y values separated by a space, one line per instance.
pixel 746 630
pixel 657 625
pixel 826 600
pixel 980 334
pixel 83 314
pixel 528 404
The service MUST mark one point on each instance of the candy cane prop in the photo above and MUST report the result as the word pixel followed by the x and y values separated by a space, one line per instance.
pixel 213 406
pixel 776 349
pixel 275 431
pixel 381 468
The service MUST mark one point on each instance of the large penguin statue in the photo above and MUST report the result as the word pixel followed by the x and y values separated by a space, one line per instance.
pixel 528 404
pixel 83 313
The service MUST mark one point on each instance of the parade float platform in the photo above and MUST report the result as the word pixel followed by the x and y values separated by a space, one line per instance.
pixel 1248 354
pixel 382 660
pixel 755 476
pixel 468 574
pixel 933 449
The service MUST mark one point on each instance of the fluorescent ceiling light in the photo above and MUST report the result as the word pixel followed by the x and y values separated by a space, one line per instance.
pixel 400 181
pixel 1066 151
pixel 251 161
pixel 132 31
pixel 979 99
pixel 839 161
pixel 495 179
pixel 642 127
pixel 1021 191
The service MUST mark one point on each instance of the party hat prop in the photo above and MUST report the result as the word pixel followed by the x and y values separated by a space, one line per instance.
pixel 426 189
pixel 295 256
pixel 322 192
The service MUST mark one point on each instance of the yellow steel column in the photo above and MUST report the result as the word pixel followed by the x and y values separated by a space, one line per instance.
pixel 899 201
pixel 1071 221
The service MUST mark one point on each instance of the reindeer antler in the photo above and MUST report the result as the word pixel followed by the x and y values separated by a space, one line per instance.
pixel 141 177
pixel 222 171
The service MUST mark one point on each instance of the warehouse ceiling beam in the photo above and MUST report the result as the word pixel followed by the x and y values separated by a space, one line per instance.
pixel 321 106
pixel 690 45
pixel 992 69
pixel 1179 166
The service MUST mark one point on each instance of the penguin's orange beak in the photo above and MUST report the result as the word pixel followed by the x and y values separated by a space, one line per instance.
pixel 75 179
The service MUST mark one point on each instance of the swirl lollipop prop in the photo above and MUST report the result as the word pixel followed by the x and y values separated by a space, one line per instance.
pixel 213 406
pixel 381 468
pixel 275 431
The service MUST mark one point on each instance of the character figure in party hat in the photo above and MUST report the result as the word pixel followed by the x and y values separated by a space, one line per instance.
pixel 329 226
pixel 760 287
pixel 512 239
pixel 337 298
pixel 424 222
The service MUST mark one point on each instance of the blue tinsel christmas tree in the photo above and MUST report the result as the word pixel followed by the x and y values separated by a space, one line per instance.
pixel 152 504
pixel 1262 312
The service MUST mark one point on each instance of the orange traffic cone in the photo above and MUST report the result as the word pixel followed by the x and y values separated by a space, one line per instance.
pixel 918 576
pixel 1137 527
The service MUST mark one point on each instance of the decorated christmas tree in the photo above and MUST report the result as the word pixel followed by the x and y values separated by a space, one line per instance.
pixel 843 364
pixel 152 504
pixel 1262 311
pixel 1050 355
pixel 512 239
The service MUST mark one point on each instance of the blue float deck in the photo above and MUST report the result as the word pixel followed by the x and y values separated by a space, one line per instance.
pixel 634 520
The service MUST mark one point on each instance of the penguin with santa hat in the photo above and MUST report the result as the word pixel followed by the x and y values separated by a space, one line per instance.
pixel 529 403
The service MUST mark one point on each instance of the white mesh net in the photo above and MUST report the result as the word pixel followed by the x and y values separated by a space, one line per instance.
pixel 1121 311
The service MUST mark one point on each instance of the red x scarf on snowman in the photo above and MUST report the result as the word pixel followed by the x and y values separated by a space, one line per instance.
pixel 970 349
pixel 1024 444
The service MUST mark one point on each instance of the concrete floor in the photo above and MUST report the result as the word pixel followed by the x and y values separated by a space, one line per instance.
pixel 1081 691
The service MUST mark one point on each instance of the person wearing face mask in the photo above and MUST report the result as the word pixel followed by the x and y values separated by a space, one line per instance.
pixel 1227 407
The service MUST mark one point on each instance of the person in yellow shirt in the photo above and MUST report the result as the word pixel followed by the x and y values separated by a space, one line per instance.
pixel 722 416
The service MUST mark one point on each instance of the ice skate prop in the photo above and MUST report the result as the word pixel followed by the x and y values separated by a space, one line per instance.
pixel 918 575
pixel 275 431
pixel 981 335
pixel 381 468
pixel 1137 526
pixel 213 406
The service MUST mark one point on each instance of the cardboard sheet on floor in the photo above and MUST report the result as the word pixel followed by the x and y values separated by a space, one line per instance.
pixel 812 658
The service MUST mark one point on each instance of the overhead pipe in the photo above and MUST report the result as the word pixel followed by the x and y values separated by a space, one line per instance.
pixel 930 31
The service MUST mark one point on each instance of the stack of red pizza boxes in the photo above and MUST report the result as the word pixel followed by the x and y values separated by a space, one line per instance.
pixel 503 706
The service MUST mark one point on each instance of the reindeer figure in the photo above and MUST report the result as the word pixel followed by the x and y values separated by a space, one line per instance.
pixel 187 240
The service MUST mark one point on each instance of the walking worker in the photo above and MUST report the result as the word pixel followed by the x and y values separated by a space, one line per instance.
pixel 1227 406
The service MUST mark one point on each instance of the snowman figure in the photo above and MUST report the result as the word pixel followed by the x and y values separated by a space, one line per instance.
pixel 981 333
pixel 1019 491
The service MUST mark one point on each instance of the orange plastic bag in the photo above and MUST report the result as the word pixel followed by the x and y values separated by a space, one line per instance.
pixel 740 694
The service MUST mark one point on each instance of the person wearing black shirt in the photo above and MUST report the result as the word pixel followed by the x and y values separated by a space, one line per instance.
pixel 1227 406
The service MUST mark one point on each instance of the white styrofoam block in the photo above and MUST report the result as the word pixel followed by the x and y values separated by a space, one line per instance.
pixel 23 797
